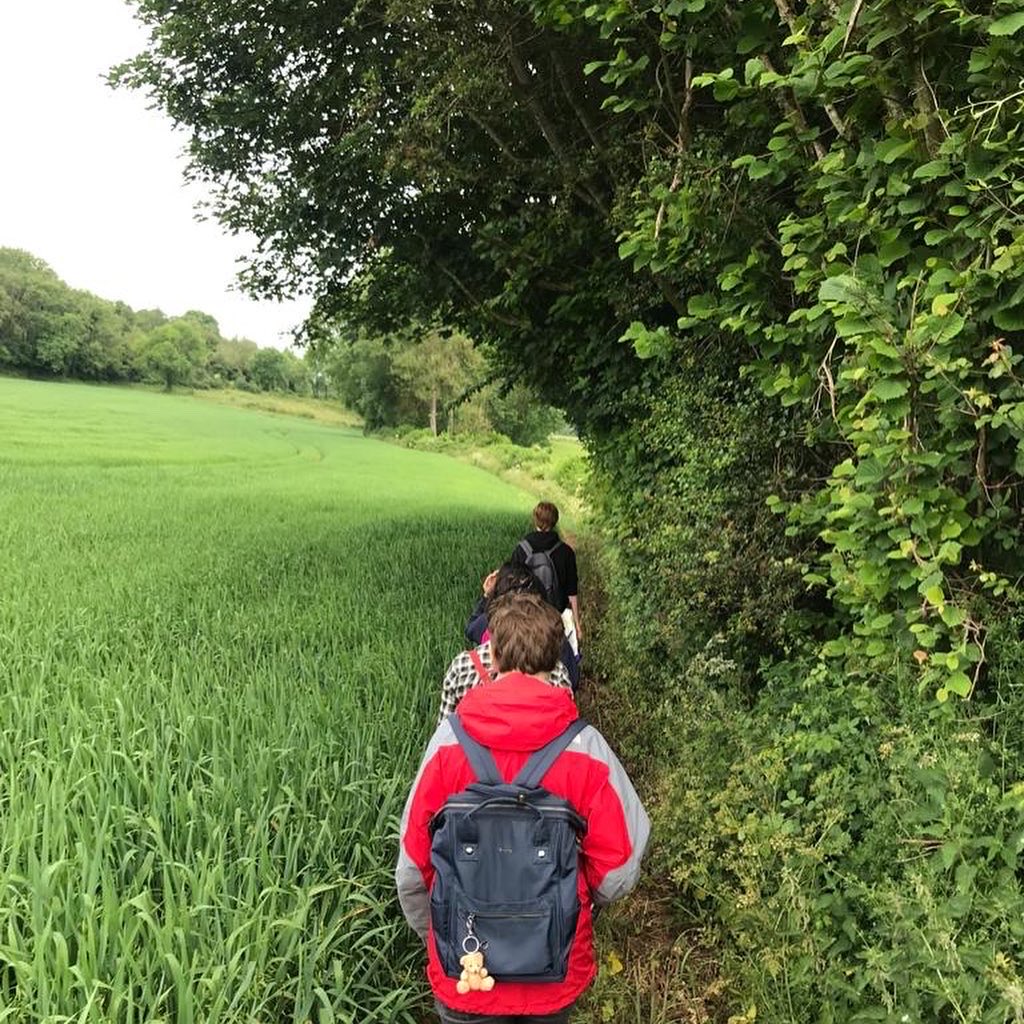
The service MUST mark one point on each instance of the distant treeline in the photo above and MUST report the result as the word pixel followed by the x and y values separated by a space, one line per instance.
pixel 49 329
pixel 431 378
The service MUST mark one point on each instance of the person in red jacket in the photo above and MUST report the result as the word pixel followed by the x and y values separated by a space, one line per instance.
pixel 513 716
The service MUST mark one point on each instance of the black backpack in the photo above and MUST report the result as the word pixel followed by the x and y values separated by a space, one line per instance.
pixel 542 565
pixel 506 859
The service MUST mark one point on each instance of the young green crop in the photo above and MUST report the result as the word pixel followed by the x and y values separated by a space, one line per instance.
pixel 221 639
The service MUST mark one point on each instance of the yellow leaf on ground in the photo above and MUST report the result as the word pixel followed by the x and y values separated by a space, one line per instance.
pixel 744 1018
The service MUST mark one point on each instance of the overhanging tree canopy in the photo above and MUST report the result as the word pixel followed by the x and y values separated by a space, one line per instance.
pixel 408 161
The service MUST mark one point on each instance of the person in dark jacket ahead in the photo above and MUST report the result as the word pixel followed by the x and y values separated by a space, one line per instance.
pixel 513 716
pixel 544 538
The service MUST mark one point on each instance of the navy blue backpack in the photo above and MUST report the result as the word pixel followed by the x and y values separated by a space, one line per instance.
pixel 506 860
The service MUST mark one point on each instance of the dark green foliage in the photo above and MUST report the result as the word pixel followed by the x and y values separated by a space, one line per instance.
pixel 430 377
pixel 410 183
pixel 700 555
pixel 174 353
pixel 49 329
pixel 857 845
pixel 870 154
pixel 269 370
pixel 366 382
pixel 862 858
pixel 231 361
pixel 519 414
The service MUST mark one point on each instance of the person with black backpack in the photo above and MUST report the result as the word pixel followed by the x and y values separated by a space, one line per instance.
pixel 552 561
pixel 520 822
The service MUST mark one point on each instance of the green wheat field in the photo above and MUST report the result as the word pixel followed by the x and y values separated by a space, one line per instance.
pixel 222 634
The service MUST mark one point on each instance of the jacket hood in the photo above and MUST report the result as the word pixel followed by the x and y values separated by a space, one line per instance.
pixel 543 540
pixel 517 712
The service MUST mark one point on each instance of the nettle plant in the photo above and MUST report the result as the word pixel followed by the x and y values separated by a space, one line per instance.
pixel 840 186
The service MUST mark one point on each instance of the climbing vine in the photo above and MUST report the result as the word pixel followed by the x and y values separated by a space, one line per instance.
pixel 838 188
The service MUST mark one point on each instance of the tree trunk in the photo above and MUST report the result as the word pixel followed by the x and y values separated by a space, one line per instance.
pixel 433 413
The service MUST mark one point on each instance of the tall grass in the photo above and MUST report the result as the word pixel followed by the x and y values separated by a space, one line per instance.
pixel 221 637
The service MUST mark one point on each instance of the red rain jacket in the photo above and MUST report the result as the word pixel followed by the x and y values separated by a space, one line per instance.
pixel 514 716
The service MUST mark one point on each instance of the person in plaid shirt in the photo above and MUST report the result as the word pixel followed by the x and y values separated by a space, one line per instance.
pixel 472 667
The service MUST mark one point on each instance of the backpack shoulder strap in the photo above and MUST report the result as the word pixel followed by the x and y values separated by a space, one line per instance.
pixel 481 668
pixel 540 761
pixel 480 758
pixel 526 547
pixel 554 568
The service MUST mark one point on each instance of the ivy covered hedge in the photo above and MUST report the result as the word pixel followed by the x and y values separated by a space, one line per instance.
pixel 856 838
pixel 873 151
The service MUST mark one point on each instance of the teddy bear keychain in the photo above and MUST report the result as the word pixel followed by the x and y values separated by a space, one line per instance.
pixel 474 977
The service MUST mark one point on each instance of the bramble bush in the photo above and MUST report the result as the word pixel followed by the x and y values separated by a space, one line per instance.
pixel 862 860
pixel 682 495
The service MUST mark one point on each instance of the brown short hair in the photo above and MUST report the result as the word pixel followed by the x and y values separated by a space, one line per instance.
pixel 545 516
pixel 526 634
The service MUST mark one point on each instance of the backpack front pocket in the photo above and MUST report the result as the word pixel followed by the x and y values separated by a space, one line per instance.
pixel 519 940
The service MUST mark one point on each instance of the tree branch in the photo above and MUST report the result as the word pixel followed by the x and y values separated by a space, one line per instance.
pixel 495 138
pixel 522 83
pixel 477 303
pixel 584 118
pixel 682 141
pixel 792 108
pixel 786 13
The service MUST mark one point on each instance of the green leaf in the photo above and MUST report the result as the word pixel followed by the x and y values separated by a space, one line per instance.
pixel 1007 25
pixel 953 616
pixel 702 306
pixel 892 251
pixel 1010 319
pixel 947 328
pixel 980 61
pixel 932 169
pixel 841 288
pixel 889 388
pixel 725 90
pixel 892 149
pixel 851 326
pixel 950 529
pixel 752 70
pixel 960 684
pixel 912 205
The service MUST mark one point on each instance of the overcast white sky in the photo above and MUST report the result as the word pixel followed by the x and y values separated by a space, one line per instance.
pixel 91 181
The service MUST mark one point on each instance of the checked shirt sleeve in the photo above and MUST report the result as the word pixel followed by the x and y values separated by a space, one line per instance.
pixel 460 679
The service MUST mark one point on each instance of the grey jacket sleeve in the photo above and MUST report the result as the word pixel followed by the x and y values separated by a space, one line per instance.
pixel 412 895
pixel 620 879
pixel 412 889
